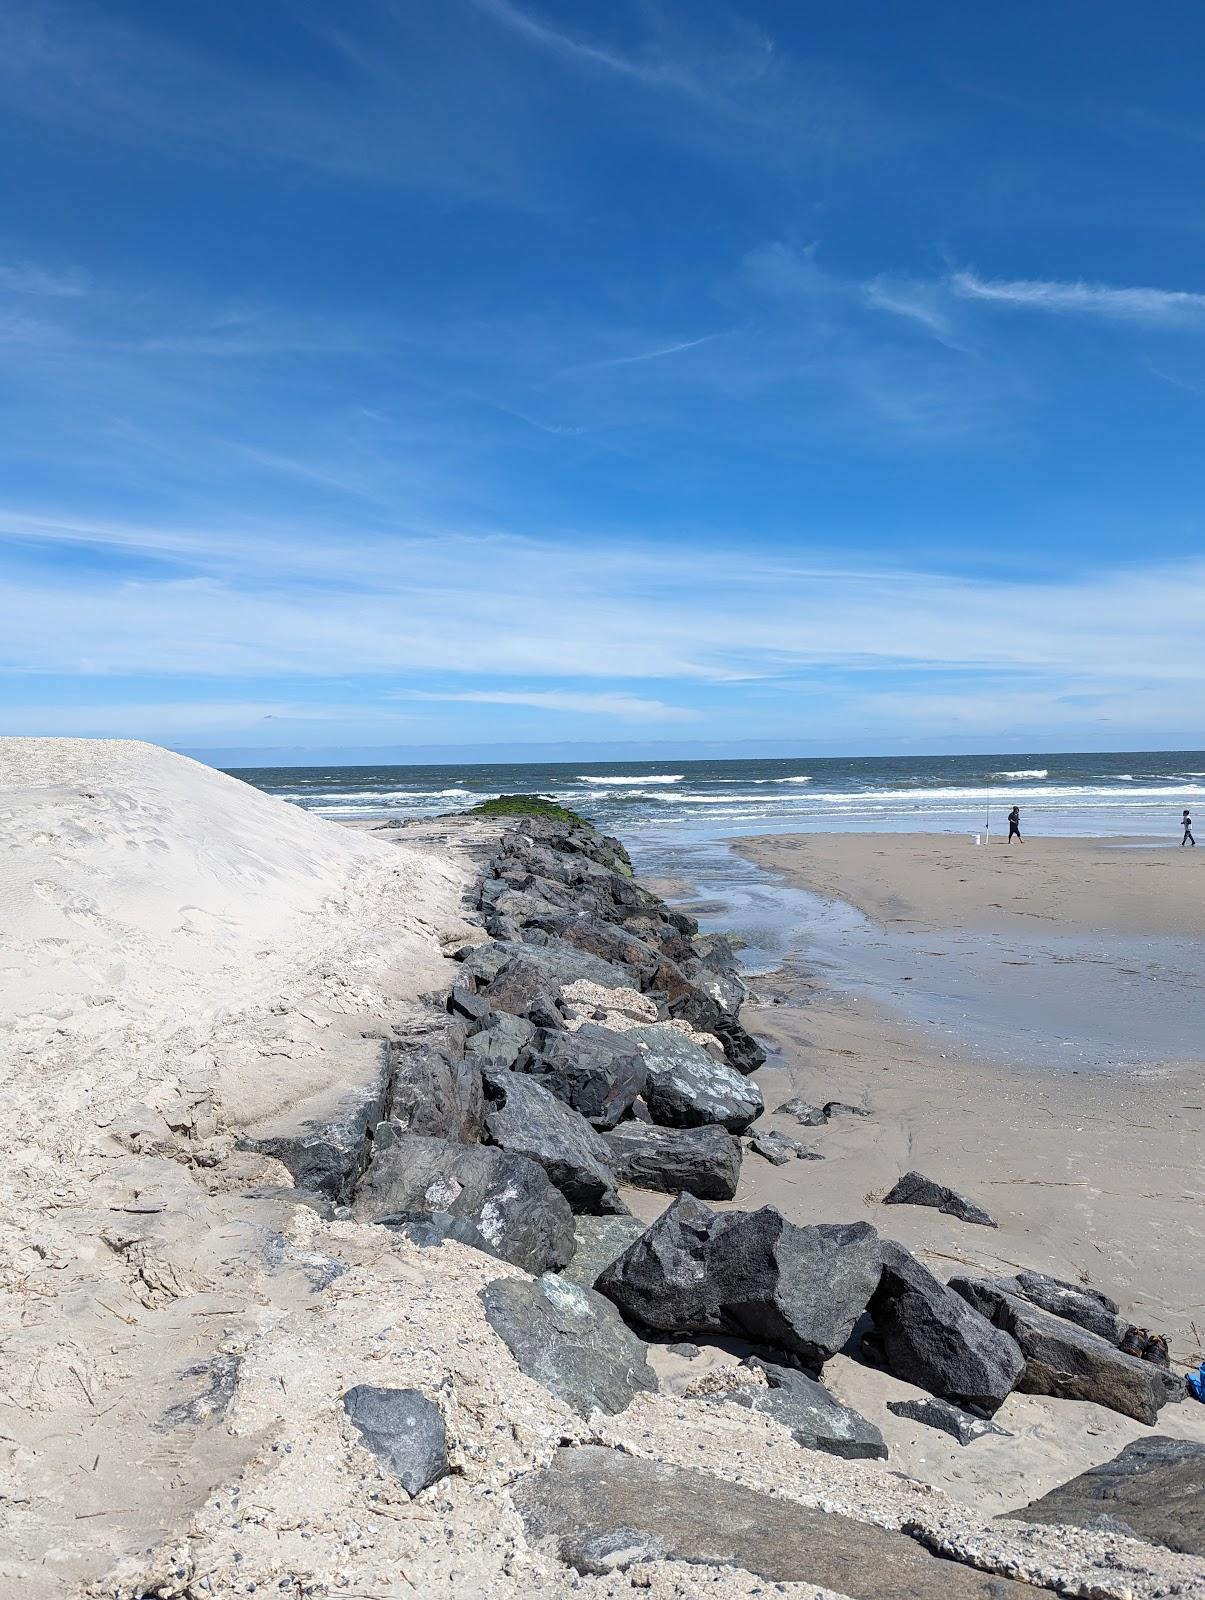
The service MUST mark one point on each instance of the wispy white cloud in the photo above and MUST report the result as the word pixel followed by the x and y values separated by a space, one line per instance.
pixel 658 353
pixel 1172 308
pixel 29 279
pixel 631 708
pixel 703 79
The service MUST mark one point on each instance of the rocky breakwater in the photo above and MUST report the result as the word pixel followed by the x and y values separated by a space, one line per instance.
pixel 592 1043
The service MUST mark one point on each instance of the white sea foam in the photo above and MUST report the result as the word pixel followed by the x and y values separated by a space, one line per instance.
pixel 1024 772
pixel 638 777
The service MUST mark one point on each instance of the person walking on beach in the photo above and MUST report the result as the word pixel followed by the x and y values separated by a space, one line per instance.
pixel 1186 824
pixel 1014 825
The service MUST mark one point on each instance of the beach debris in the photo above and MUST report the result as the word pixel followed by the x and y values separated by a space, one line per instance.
pixel 813 1417
pixel 698 1161
pixel 752 1273
pixel 404 1430
pixel 597 1072
pixel 599 1240
pixel 1153 1490
pixel 604 1511
pixel 507 1198
pixel 932 1337
pixel 1066 1360
pixel 522 1116
pixel 687 1087
pixel 947 1418
pixel 571 1340
pixel 1196 1383
pixel 914 1189
pixel 221 1374
pixel 434 1090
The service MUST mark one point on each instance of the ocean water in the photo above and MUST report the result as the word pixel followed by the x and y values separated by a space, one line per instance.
pixel 1140 794
pixel 1050 1001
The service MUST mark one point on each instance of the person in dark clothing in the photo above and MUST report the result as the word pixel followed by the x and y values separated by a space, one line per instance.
pixel 1186 824
pixel 1014 825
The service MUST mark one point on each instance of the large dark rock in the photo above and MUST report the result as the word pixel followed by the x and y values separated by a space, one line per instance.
pixel 592 1069
pixel 687 1087
pixel 600 1240
pixel 404 1430
pixel 507 1198
pixel 608 940
pixel 1074 1302
pixel 751 1273
pixel 914 1189
pixel 571 1340
pixel 940 1414
pixel 324 1139
pixel 522 1116
pixel 1091 1309
pixel 813 1417
pixel 1065 1360
pixel 700 1161
pixel 533 970
pixel 503 1041
pixel 1154 1490
pixel 930 1336
pixel 434 1090
pixel 603 1510
pixel 707 1015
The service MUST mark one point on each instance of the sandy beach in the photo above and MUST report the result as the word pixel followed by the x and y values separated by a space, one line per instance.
pixel 1093 1175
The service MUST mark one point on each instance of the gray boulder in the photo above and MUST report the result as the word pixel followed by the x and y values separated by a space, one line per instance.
pixel 1153 1490
pixel 571 1340
pixel 506 1197
pixel 914 1189
pixel 1091 1309
pixel 1065 1360
pixel 708 1015
pixel 592 1069
pixel 1074 1302
pixel 504 1040
pixel 434 1090
pixel 812 1416
pixel 523 1117
pixel 700 1161
pixel 404 1430
pixel 779 1148
pixel 530 971
pixel 750 1273
pixel 603 1511
pixel 687 1087
pixel 930 1336
pixel 804 1112
pixel 600 1240
pixel 940 1414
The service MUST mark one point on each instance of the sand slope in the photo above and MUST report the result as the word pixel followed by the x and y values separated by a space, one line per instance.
pixel 177 952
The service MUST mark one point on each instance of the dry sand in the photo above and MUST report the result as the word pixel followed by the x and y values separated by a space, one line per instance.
pixel 178 1327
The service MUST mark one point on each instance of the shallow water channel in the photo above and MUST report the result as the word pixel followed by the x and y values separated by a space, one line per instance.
pixel 1048 999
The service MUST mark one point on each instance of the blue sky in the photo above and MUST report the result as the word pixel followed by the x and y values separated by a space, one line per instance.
pixel 513 372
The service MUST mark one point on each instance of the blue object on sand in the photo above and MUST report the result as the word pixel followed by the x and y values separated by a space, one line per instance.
pixel 1196 1382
